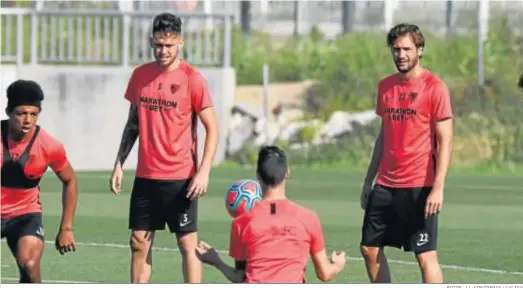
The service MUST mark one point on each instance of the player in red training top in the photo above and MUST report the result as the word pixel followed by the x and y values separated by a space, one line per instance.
pixel 27 151
pixel 167 97
pixel 272 242
pixel 411 159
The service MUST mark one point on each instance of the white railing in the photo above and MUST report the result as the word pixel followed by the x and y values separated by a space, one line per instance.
pixel 106 37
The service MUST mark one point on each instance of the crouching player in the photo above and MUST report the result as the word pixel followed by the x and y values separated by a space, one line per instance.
pixel 272 242
pixel 27 151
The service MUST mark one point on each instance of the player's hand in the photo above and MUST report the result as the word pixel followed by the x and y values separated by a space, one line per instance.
pixel 434 202
pixel 116 180
pixel 65 242
pixel 365 194
pixel 207 254
pixel 339 259
pixel 198 186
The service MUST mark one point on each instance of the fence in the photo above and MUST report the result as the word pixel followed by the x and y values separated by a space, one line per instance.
pixel 279 17
pixel 75 36
pixel 116 32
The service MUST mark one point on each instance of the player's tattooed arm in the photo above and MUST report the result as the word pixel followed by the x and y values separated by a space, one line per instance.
pixel 129 135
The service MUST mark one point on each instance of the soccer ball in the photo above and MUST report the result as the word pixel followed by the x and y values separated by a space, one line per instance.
pixel 242 196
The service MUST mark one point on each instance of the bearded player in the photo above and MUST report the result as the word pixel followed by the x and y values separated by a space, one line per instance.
pixel 167 97
pixel 272 242
pixel 27 151
pixel 411 158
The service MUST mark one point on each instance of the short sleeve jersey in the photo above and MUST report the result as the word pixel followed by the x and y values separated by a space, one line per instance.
pixel 276 241
pixel 409 111
pixel 168 104
pixel 46 152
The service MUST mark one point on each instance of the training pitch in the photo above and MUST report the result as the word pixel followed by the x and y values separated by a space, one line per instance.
pixel 481 229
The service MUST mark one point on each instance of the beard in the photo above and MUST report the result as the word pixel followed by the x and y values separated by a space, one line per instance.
pixel 404 69
pixel 165 63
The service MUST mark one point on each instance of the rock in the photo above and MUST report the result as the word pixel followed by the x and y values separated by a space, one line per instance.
pixel 289 115
pixel 248 124
pixel 338 124
pixel 341 122
pixel 291 131
pixel 248 109
pixel 259 127
pixel 241 130
pixel 264 139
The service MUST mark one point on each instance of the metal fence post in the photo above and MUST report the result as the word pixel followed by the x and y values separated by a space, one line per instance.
pixel 227 42
pixel 126 39
pixel 34 38
pixel 483 11
pixel 19 44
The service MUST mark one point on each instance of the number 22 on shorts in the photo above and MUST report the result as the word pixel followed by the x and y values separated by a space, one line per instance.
pixel 423 239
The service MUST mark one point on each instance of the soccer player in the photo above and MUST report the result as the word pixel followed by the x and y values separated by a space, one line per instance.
pixel 27 151
pixel 272 242
pixel 167 96
pixel 411 158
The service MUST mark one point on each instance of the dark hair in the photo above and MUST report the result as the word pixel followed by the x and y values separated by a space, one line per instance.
pixel 520 83
pixel 24 92
pixel 406 29
pixel 272 165
pixel 167 23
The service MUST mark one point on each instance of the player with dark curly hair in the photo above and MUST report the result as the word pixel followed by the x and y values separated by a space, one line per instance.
pixel 27 151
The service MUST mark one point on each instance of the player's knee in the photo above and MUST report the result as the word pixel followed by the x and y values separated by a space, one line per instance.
pixel 187 243
pixel 30 265
pixel 370 253
pixel 430 268
pixel 428 261
pixel 139 243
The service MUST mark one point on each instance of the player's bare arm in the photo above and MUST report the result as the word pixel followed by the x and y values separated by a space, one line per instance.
pixel 65 239
pixel 328 270
pixel 444 135
pixel 372 170
pixel 209 256
pixel 377 153
pixel 129 136
pixel 198 186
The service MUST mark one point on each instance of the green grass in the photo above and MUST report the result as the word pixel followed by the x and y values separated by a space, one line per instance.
pixel 481 227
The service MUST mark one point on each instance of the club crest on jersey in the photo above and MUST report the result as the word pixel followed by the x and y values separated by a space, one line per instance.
pixel 412 96
pixel 174 88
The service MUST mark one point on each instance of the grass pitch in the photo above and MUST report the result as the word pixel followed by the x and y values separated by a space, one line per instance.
pixel 481 229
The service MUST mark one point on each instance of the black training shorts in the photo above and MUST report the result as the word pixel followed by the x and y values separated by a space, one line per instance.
pixel 13 229
pixel 155 203
pixel 396 217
